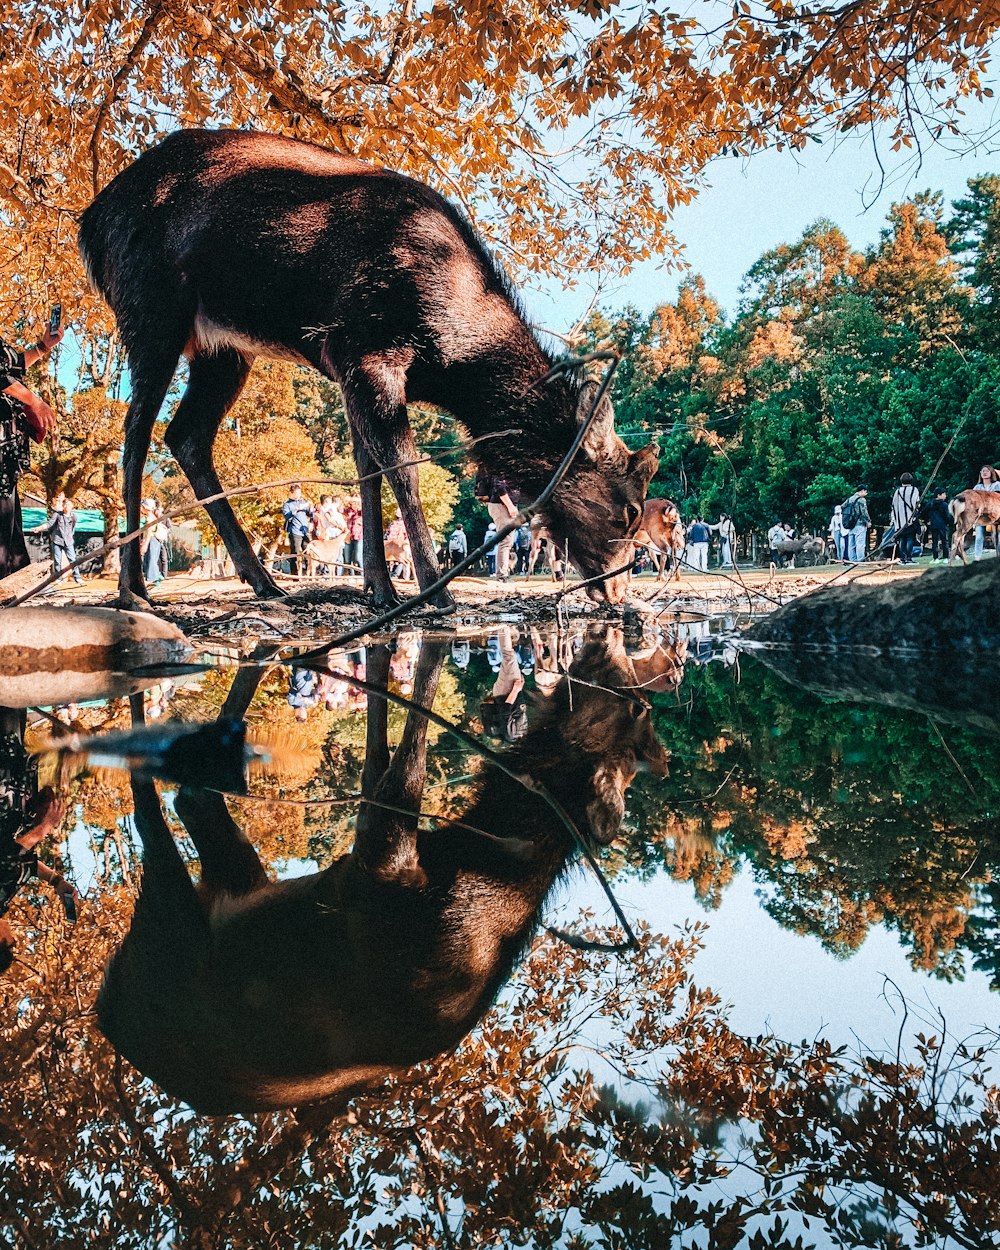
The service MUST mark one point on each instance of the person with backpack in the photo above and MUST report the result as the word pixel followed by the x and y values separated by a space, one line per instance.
pixel 458 545
pixel 501 504
pixel 522 544
pixel 298 513
pixel 938 521
pixel 61 529
pixel 856 523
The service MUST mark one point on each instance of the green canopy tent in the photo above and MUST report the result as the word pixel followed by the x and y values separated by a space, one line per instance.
pixel 89 521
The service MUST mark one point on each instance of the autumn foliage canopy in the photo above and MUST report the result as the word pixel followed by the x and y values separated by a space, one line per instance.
pixel 568 130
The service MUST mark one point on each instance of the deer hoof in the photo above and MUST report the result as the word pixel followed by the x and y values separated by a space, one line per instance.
pixel 445 601
pixel 269 590
pixel 384 597
pixel 131 601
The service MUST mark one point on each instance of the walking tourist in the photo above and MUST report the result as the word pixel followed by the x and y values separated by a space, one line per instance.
pixel 458 545
pixel 856 523
pixel 837 535
pixel 989 479
pixel 938 520
pixel 23 415
pixel 150 542
pixel 697 545
pixel 523 547
pixel 298 514
pixel 163 527
pixel 353 547
pixel 502 509
pixel 903 516
pixel 61 528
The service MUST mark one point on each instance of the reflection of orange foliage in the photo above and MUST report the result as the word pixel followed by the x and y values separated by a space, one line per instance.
pixel 789 839
pixel 694 857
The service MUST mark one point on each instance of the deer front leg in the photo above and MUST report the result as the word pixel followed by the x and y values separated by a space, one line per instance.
pixel 375 396
pixel 378 583
pixel 229 863
pixel 386 844
pixel 407 491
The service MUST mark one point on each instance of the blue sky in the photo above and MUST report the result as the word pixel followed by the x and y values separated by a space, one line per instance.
pixel 755 204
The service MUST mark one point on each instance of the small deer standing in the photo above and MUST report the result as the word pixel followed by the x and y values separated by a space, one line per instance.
pixel 969 509
pixel 223 246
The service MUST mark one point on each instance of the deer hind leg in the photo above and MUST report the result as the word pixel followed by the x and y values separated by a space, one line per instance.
pixel 151 369
pixel 377 581
pixel 958 543
pixel 386 843
pixel 214 383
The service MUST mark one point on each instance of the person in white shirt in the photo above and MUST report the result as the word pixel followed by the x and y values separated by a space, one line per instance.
pixel 989 479
pixel 727 539
pixel 837 535
pixel 904 509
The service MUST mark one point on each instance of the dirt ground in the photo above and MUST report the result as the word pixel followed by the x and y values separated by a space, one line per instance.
pixel 320 607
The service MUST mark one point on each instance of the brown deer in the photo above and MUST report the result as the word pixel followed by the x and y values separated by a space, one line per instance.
pixel 244 995
pixel 969 509
pixel 662 530
pixel 223 246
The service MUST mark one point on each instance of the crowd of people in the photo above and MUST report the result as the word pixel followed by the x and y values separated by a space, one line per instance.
pixel 335 522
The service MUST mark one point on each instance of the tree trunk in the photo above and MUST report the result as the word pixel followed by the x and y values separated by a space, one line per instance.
pixel 111 510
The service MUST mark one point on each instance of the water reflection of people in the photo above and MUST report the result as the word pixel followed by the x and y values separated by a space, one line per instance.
pixel 553 656
pixel 301 691
pixel 503 712
pixel 27 816
pixel 246 995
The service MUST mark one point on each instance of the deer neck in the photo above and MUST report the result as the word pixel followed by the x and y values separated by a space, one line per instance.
pixel 502 389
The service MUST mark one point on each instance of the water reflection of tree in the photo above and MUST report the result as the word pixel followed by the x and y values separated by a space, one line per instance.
pixel 604 1102
pixel 848 815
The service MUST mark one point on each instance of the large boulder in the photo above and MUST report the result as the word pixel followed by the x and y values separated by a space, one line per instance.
pixel 70 654
pixel 928 643
pixel 950 609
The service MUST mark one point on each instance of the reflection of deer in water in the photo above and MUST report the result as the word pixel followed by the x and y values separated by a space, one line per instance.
pixel 243 995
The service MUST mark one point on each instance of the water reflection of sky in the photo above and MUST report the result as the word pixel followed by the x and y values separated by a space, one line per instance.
pixel 775 979
pixel 776 802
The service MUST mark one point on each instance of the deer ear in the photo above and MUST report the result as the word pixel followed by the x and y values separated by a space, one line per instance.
pixel 600 440
pixel 643 464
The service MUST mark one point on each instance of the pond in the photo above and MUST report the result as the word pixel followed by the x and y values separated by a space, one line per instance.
pixel 634 940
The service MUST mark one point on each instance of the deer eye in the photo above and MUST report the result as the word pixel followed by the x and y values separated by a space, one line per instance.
pixel 633 515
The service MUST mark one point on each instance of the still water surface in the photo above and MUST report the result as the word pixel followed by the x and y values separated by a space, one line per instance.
pixel 792 1049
